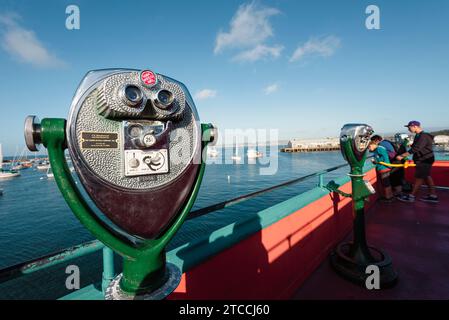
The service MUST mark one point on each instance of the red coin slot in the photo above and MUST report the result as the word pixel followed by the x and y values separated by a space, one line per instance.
pixel 148 78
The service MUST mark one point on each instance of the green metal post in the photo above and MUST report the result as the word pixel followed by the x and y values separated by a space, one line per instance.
pixel 351 259
pixel 359 249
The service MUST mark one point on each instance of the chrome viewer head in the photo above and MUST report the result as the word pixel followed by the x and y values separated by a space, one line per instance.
pixel 354 141
pixel 135 142
pixel 400 138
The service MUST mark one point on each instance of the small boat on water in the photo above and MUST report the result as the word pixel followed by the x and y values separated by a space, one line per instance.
pixel 43 166
pixel 6 174
pixel 19 163
pixel 27 165
pixel 236 156
pixel 252 154
pixel 17 167
pixel 212 152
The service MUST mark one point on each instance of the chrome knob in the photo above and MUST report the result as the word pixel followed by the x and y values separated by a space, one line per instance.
pixel 134 163
pixel 32 133
pixel 213 135
pixel 148 140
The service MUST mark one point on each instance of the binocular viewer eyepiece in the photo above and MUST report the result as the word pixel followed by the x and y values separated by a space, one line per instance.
pixel 132 95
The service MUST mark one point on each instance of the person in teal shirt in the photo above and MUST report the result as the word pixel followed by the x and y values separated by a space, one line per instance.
pixel 383 172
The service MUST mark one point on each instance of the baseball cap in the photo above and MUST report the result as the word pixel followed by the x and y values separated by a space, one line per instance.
pixel 413 123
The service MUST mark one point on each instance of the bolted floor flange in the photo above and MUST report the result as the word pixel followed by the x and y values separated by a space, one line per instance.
pixel 173 278
pixel 356 271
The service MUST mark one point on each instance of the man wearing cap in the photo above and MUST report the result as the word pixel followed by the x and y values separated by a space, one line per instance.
pixel 422 151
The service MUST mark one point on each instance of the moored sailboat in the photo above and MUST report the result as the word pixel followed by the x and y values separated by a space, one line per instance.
pixel 6 174
pixel 252 154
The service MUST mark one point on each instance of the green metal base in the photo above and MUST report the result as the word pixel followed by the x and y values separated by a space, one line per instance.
pixel 171 279
pixel 350 260
pixel 351 264
pixel 145 274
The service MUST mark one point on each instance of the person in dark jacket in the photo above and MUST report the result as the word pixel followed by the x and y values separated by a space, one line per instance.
pixel 398 181
pixel 423 156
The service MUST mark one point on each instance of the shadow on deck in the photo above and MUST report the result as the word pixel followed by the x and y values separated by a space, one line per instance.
pixel 416 236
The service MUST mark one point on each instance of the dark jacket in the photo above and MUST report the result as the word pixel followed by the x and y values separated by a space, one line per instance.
pixel 422 148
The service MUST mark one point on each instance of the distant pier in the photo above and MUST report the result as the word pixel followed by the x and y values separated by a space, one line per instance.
pixel 310 149
pixel 312 145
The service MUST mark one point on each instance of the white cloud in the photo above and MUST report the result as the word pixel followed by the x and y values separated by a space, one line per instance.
pixel 323 47
pixel 22 44
pixel 249 29
pixel 271 88
pixel 205 94
pixel 259 52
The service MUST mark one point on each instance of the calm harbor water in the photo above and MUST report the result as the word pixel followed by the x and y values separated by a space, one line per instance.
pixel 35 219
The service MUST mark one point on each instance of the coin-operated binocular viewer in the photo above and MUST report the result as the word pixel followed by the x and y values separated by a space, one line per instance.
pixel 136 144
pixel 352 259
pixel 402 139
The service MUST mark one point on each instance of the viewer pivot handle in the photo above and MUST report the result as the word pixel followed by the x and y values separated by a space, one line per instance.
pixel 32 131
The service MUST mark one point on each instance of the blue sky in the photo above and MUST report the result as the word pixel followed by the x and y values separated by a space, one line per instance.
pixel 304 67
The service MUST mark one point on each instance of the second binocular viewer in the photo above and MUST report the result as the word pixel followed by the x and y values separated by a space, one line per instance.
pixel 351 259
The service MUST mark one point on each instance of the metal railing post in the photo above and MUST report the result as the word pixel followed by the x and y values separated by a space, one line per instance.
pixel 108 268
pixel 321 179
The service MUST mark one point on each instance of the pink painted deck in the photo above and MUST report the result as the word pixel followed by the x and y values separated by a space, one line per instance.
pixel 289 259
pixel 416 236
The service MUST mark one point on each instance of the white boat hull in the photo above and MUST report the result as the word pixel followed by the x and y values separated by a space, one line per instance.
pixel 253 154
pixel 9 175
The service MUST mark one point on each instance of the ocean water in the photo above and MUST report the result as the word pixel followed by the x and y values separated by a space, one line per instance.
pixel 35 220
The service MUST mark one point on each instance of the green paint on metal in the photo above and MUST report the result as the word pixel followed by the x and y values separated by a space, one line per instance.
pixel 143 267
pixel 196 252
pixel 53 138
pixel 334 187
pixel 359 194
